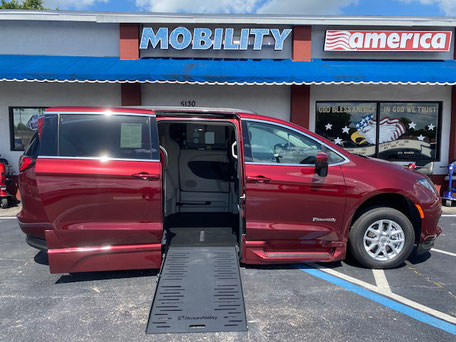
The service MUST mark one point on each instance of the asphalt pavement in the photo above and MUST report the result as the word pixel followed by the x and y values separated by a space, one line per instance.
pixel 326 302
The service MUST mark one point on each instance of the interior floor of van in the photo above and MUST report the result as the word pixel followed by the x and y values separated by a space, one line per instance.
pixel 200 182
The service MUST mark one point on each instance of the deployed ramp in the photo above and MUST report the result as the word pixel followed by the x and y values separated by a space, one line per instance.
pixel 199 290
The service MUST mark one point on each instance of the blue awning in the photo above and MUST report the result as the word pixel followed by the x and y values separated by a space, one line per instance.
pixel 224 71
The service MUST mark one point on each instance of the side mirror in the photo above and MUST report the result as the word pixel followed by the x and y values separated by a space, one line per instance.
pixel 321 164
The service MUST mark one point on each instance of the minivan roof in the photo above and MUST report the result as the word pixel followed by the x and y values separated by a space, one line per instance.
pixel 157 110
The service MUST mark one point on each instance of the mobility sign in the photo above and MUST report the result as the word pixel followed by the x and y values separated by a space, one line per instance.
pixel 387 41
pixel 201 38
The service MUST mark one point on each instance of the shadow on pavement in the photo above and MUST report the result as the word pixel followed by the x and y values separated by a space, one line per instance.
pixel 106 275
pixel 41 258
pixel 418 259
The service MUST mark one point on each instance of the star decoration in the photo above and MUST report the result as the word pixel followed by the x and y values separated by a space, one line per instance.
pixel 412 125
pixel 328 126
pixel 338 141
pixel 345 129
pixel 431 127
pixel 420 137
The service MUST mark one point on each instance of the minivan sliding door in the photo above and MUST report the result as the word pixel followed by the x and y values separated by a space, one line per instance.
pixel 102 193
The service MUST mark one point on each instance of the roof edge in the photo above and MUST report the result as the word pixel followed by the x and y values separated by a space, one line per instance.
pixel 250 19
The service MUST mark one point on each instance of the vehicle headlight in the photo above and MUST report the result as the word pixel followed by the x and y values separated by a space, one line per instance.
pixel 428 185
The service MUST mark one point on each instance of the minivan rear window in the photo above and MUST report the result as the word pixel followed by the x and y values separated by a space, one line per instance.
pixel 115 136
pixel 33 147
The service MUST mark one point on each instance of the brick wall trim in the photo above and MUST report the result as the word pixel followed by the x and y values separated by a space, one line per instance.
pixel 302 43
pixel 129 41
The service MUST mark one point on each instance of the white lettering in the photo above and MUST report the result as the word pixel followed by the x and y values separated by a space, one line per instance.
pixel 439 41
pixel 424 40
pixel 356 40
pixel 375 40
pixel 405 38
pixel 416 38
pixel 393 40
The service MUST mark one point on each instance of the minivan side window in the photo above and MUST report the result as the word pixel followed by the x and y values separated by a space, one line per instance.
pixel 33 147
pixel 115 136
pixel 275 144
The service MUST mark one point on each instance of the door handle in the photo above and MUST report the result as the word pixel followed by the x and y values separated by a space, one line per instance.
pixel 146 176
pixel 258 179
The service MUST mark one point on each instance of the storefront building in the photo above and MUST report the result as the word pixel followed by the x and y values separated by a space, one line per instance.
pixel 381 86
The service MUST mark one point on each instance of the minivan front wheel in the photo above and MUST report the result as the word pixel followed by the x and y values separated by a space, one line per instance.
pixel 381 238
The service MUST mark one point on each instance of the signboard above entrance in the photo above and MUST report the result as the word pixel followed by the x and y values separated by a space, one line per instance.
pixel 201 38
pixel 387 41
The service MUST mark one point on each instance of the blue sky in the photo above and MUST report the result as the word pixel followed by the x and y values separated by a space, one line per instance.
pixel 325 7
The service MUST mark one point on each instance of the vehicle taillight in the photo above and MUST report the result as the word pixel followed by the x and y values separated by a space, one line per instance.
pixel 25 163
pixel 2 176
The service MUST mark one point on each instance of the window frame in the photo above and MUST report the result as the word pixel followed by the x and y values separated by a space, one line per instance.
pixel 248 155
pixel 11 125
pixel 377 116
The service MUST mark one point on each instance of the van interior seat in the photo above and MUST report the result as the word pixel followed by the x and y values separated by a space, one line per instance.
pixel 203 171
pixel 204 182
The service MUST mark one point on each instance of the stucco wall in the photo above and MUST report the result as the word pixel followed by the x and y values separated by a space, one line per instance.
pixel 59 39
pixel 265 100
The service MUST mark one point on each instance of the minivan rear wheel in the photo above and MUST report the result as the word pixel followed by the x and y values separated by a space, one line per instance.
pixel 381 238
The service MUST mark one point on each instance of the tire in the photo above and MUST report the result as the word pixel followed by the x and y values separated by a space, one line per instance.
pixel 447 203
pixel 365 240
pixel 4 203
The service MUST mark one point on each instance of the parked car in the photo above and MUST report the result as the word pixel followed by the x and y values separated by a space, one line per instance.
pixel 109 188
pixel 8 186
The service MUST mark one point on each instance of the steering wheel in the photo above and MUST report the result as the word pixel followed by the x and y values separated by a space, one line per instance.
pixel 308 160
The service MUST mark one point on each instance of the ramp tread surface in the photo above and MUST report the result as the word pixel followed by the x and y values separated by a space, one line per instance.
pixel 199 290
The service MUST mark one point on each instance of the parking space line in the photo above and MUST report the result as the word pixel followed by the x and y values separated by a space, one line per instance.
pixel 8 218
pixel 393 301
pixel 449 215
pixel 380 280
pixel 443 252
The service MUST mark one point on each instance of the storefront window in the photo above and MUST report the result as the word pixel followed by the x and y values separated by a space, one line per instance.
pixel 23 123
pixel 343 123
pixel 408 131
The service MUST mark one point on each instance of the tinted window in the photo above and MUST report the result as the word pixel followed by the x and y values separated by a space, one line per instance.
pixel 116 136
pixel 48 141
pixel 201 136
pixel 274 144
pixel 33 148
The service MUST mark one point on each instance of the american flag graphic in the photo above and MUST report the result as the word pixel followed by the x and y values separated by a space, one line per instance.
pixel 390 129
pixel 337 40
pixel 365 121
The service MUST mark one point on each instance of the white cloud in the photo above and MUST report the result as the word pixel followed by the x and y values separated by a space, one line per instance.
pixel 246 6
pixel 198 6
pixel 326 7
pixel 71 4
pixel 447 6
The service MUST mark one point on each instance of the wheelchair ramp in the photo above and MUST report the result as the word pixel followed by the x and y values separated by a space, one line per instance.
pixel 199 290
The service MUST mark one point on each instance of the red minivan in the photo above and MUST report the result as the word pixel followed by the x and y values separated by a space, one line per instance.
pixel 109 188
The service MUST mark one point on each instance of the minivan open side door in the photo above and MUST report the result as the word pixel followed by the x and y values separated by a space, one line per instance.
pixel 100 185
pixel 293 214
